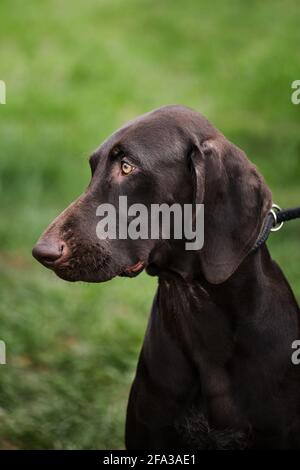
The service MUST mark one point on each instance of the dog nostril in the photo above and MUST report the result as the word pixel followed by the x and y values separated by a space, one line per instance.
pixel 48 251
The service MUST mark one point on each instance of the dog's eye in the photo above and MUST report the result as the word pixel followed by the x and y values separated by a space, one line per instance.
pixel 126 168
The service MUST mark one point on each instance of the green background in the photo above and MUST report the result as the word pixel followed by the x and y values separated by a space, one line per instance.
pixel 75 71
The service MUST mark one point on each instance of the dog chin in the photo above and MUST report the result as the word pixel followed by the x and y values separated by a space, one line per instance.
pixel 86 274
pixel 89 277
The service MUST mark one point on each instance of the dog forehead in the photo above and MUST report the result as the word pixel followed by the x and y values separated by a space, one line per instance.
pixel 169 128
pixel 150 134
pixel 172 125
pixel 145 138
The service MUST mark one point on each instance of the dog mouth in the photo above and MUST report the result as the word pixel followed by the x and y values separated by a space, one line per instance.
pixel 134 270
pixel 91 268
pixel 69 272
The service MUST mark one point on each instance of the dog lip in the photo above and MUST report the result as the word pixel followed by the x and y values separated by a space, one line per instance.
pixel 54 264
pixel 134 270
pixel 136 267
pixel 48 264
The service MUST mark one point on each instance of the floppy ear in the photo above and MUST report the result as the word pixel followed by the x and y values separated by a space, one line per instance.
pixel 236 202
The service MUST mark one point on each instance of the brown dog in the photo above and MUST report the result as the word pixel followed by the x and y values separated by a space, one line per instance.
pixel 215 370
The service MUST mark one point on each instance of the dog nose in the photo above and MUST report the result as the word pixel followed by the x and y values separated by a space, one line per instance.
pixel 48 251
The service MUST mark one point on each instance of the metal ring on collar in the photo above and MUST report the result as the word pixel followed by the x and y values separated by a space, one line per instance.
pixel 274 211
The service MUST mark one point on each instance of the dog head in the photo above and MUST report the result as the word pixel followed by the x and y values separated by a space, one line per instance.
pixel 171 155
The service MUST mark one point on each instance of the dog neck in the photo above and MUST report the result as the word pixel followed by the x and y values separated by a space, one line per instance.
pixel 254 284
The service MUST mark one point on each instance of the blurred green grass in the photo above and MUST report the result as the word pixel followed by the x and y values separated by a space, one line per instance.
pixel 75 71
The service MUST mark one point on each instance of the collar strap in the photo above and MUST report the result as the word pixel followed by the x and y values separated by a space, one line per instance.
pixel 274 222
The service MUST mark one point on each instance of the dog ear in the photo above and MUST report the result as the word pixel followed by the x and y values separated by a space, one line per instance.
pixel 236 202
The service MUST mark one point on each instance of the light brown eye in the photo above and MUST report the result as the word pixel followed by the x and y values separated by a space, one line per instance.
pixel 126 168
